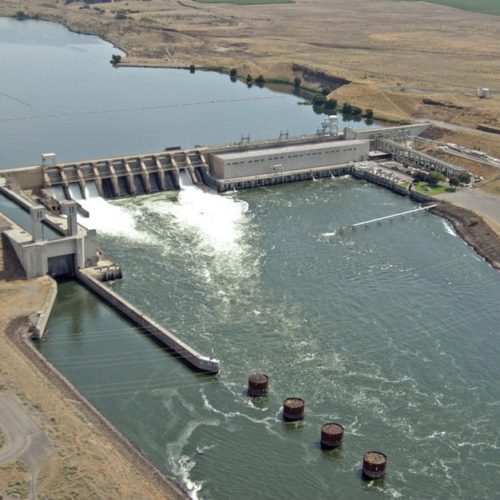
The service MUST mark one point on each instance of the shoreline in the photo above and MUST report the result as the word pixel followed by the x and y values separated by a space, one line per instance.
pixel 473 229
pixel 17 332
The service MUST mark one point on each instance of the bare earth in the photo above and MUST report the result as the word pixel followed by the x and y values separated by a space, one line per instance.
pixel 49 442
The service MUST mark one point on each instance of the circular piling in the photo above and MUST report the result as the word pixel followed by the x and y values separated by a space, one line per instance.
pixel 293 409
pixel 258 385
pixel 374 464
pixel 331 435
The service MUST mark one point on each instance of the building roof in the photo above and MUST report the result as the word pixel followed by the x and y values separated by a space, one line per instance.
pixel 317 146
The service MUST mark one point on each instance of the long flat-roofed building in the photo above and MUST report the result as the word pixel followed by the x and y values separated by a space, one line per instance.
pixel 279 160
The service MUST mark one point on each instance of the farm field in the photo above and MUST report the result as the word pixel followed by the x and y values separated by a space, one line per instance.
pixel 481 6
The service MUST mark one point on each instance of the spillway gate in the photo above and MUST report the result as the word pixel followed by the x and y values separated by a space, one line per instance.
pixel 128 176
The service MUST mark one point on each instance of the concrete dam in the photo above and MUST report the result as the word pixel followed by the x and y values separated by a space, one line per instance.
pixel 48 238
pixel 228 167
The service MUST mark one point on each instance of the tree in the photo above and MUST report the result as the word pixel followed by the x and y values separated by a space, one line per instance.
pixel 434 178
pixel 464 178
pixel 318 100
pixel 260 81
pixel 330 104
pixel 249 80
pixel 233 72
pixel 21 15
pixel 355 110
pixel 116 59
pixel 325 91
pixel 346 108
pixel 192 68
pixel 454 181
pixel 297 82
pixel 369 113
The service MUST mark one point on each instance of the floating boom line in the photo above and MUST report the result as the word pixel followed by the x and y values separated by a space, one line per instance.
pixel 141 108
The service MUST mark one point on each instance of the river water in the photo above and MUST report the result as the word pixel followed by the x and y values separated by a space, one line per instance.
pixel 60 94
pixel 391 331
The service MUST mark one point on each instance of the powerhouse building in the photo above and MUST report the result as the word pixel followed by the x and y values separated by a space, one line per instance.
pixel 277 160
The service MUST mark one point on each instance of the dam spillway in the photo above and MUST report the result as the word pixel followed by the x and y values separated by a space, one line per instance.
pixel 227 167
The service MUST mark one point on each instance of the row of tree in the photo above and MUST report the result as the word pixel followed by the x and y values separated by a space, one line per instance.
pixel 322 102
pixel 434 178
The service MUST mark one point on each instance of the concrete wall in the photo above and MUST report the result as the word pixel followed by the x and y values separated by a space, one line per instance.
pixel 391 132
pixel 24 177
pixel 287 159
pixel 44 314
pixel 34 255
pixel 203 363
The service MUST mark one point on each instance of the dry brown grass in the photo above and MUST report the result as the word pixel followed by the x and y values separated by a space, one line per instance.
pixel 395 53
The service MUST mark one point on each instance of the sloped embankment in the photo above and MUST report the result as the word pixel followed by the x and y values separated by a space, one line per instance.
pixel 473 230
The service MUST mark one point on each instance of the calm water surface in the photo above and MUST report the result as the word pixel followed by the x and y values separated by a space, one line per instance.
pixel 392 331
pixel 59 93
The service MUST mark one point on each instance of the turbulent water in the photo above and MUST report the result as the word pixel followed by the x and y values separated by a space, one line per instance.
pixel 391 331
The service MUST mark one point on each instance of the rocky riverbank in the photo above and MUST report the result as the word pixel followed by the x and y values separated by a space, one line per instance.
pixel 473 230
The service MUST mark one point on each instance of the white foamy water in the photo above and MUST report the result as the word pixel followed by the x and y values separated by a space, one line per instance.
pixel 75 191
pixel 216 219
pixel 109 218
pixel 448 228
pixel 58 193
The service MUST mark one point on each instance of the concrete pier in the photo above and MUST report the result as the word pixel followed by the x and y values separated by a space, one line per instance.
pixel 187 353
pixel 386 217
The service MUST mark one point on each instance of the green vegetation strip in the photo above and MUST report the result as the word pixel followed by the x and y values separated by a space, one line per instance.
pixel 481 6
pixel 246 2
pixel 419 186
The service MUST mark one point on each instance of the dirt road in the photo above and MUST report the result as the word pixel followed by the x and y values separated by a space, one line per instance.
pixel 23 438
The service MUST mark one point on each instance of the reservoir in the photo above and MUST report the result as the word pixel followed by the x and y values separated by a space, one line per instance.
pixel 391 331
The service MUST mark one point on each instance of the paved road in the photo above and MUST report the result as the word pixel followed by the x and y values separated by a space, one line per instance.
pixel 476 200
pixel 23 438
pixel 459 128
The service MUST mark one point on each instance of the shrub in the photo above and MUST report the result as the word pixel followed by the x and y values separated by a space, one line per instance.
pixel 260 81
pixel 319 100
pixel 331 104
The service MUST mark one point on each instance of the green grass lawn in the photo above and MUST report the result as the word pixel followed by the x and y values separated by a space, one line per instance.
pixel 419 186
pixel 482 6
pixel 246 2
